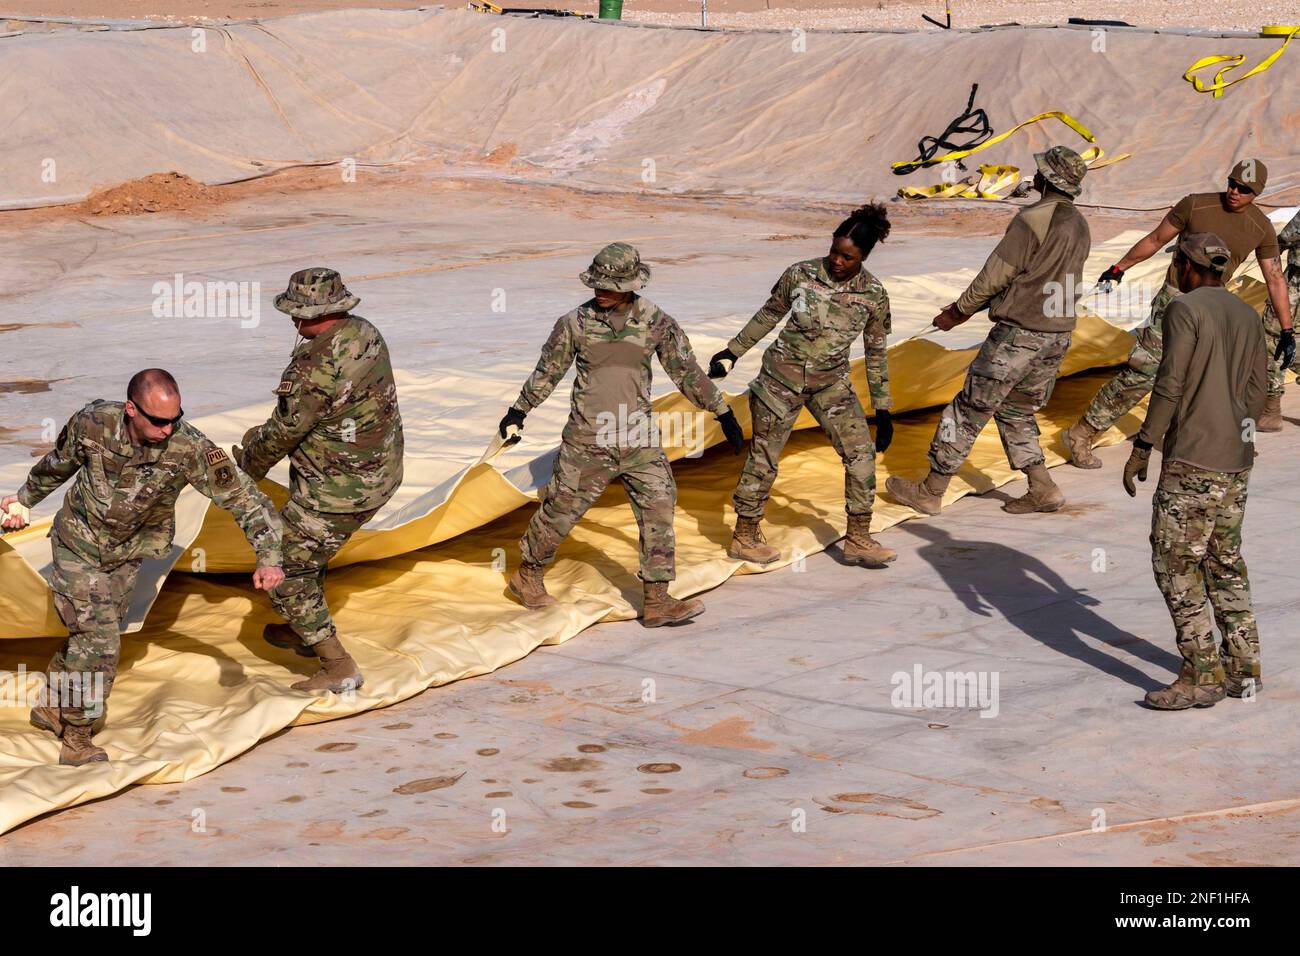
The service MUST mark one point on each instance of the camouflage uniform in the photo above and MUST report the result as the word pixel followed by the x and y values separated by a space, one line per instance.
pixel 612 350
pixel 808 364
pixel 337 420
pixel 1196 554
pixel 1133 382
pixel 120 510
pixel 1011 378
pixel 1289 240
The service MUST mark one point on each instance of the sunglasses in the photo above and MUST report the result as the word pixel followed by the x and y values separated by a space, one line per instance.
pixel 1237 187
pixel 161 422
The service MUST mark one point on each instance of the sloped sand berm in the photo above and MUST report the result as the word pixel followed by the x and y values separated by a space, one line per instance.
pixel 607 104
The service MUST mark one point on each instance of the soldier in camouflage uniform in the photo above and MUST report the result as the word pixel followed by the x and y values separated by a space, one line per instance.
pixel 336 419
pixel 1212 376
pixel 611 337
pixel 1031 285
pixel 1288 240
pixel 131 460
pixel 831 301
pixel 1243 226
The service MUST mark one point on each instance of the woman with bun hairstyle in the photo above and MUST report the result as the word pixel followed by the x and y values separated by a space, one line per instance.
pixel 830 301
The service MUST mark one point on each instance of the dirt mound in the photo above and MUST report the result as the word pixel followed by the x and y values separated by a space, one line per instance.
pixel 158 192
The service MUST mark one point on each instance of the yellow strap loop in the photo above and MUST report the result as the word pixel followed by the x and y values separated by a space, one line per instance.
pixel 1231 62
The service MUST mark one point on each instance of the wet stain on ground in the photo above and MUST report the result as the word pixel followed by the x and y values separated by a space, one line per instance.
pixel 579 804
pixel 297 764
pixel 499 793
pixel 659 767
pixel 1043 803
pixel 374 813
pixel 397 726
pixel 765 773
pixel 338 747
pixel 657 790
pixel 232 789
pixel 27 386
pixel 427 784
pixel 732 732
pixel 1155 838
pixel 570 765
pixel 937 726
pixel 531 780
pixel 883 805
pixel 488 752
pixel 445 736
pixel 591 749
pixel 385 833
pixel 296 798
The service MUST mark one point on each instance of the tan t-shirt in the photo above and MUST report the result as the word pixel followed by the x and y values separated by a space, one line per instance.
pixel 1245 231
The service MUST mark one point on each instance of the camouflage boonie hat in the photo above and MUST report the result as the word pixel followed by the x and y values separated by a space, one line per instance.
pixel 617 268
pixel 315 292
pixel 1251 173
pixel 1205 249
pixel 1063 168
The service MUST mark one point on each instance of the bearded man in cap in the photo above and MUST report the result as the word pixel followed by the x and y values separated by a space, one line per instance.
pixel 1030 285
pixel 130 461
pixel 1210 384
pixel 1232 216
pixel 612 337
pixel 336 418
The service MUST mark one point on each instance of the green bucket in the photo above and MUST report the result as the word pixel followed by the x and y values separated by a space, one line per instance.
pixel 611 9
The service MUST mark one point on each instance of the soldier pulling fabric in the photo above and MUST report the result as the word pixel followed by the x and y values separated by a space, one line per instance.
pixel 130 466
pixel 1212 378
pixel 1031 284
pixel 611 431
pixel 1232 216
pixel 337 420
pixel 831 301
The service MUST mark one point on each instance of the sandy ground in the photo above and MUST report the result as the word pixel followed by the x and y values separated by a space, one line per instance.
pixel 770 738
pixel 751 14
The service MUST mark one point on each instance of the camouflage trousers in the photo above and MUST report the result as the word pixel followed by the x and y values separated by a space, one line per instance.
pixel 91 603
pixel 840 415
pixel 1135 381
pixel 1196 555
pixel 1272 330
pixel 1011 378
pixel 582 473
pixel 311 538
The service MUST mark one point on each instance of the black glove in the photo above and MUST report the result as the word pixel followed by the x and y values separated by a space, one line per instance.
pixel 731 428
pixel 1136 466
pixel 721 364
pixel 884 430
pixel 1111 277
pixel 1286 348
pixel 513 417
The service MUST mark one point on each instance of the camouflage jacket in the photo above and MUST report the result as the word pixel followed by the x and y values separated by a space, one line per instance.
pixel 812 350
pixel 337 420
pixel 123 505
pixel 612 350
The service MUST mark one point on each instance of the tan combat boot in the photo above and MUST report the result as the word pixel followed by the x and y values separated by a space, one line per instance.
pixel 661 608
pixel 1240 687
pixel 77 747
pixel 338 672
pixel 1043 494
pixel 925 496
pixel 1185 693
pixel 526 584
pixel 46 717
pixel 1270 420
pixel 284 636
pixel 1078 440
pixel 748 543
pixel 861 548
